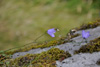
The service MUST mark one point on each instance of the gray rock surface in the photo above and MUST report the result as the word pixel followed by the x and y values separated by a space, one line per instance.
pixel 76 60
pixel 67 46
pixel 80 60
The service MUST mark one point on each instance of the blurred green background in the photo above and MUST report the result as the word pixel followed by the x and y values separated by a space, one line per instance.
pixel 22 21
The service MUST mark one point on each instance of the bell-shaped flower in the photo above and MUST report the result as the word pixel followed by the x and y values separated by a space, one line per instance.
pixel 51 32
pixel 85 35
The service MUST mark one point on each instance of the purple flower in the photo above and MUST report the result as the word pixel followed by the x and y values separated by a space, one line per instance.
pixel 51 32
pixel 85 35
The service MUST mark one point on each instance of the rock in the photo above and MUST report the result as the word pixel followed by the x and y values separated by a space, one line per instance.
pixel 80 60
pixel 70 46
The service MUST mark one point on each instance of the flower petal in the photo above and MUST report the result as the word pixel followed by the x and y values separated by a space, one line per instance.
pixel 52 35
pixel 85 34
pixel 51 32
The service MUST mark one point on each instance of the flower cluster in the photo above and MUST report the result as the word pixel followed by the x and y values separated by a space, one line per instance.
pixel 85 34
pixel 51 32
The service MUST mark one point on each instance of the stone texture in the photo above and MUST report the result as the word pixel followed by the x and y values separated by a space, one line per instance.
pixel 79 60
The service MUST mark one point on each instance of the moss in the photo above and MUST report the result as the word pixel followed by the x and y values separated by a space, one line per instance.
pixel 93 46
pixel 89 25
pixel 98 62
pixel 75 35
pixel 55 42
pixel 44 59
pixel 3 57
pixel 42 45
pixel 26 48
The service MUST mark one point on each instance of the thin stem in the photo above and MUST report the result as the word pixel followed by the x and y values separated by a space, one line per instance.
pixel 85 40
pixel 39 37
pixel 27 43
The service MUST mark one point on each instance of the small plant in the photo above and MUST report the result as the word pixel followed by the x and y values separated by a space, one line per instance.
pixel 93 46
pixel 85 35
pixel 52 31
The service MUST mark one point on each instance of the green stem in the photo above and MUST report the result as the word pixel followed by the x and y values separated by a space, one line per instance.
pixel 27 43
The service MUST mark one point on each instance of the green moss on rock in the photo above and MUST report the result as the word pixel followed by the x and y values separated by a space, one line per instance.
pixel 34 46
pixel 42 45
pixel 93 46
pixel 44 59
pixel 89 25
pixel 98 62
pixel 3 57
